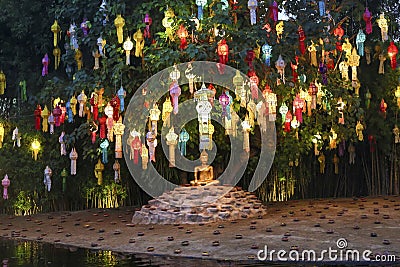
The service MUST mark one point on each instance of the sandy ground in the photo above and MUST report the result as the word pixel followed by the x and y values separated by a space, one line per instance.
pixel 294 226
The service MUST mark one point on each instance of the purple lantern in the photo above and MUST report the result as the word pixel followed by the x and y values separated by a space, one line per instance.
pixel 5 183
pixel 224 100
pixel 175 92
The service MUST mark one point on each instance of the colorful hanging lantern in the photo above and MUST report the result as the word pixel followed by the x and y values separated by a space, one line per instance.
pixel 383 107
pixel 154 117
pixel 200 6
pixel 283 110
pixel 333 139
pixel 246 137
pixel 118 129
pixel 56 29
pixel 203 108
pixel 254 81
pixel 101 45
pixel 117 171
pixel 128 45
pixel 359 131
pixel 347 47
pixel 344 70
pixel 340 108
pixel 115 103
pixel 175 92
pixel 70 115
pixel 139 39
pixel 1 135
pixel 73 101
pixel 109 111
pixel 93 131
pixel 98 172
pixel 302 38
pixel 183 139
pixel 85 25
pixel 61 140
pixel 273 11
pixel 382 59
pixel 321 7
pixel 51 121
pixel 5 183
pixel 145 157
pixel 37 113
pixel 57 57
pixel 396 132
pixel 172 141
pixel 323 69
pixel 397 95
pixel 288 120
pixel 35 146
pixel 103 128
pixel 136 146
pixel 57 115
pixel 338 32
pixel 104 148
pixel 224 102
pixel 252 5
pixel 72 35
pixel 368 21
pixel 223 52
pixel 313 91
pixel 190 76
pixel 317 141
pixel 354 62
pixel 182 34
pixel 45 62
pixel 360 39
pixel 312 49
pixel 382 23
pixel 82 98
pixel 16 137
pixel 280 65
pixel 147 21
pixel 151 140
pixel 298 105
pixel 267 54
pixel 279 31
pixel 121 95
pixel 167 22
pixel 119 23
pixel 392 53
pixel 294 67
pixel 73 156
pixel 166 111
pixel 3 83
pixel 47 178
pixel 78 59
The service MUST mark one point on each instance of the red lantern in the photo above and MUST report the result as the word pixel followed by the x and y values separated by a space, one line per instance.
pixel 223 52
pixel 115 104
pixel 137 149
pixel 182 34
pixel 95 106
pixel 294 69
pixel 63 112
pixel 37 113
pixel 249 59
pixel 288 120
pixel 383 107
pixel 273 11
pixel 57 114
pixel 254 81
pixel 339 32
pixel 302 38
pixel 367 18
pixel 298 105
pixel 392 52
pixel 103 127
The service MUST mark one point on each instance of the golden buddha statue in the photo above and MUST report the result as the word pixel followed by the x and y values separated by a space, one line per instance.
pixel 204 174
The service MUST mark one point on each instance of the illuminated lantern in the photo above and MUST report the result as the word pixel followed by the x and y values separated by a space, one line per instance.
pixel 294 70
pixel 200 6
pixel 115 103
pixel 103 127
pixel 267 54
pixel 72 34
pixel 356 85
pixel 223 52
pixel 273 11
pixel 119 23
pixel 57 114
pixel 78 59
pixel 360 39
pixel 383 107
pixel 139 39
pixel 101 45
pixel 136 147
pixel 121 95
pixel 16 137
pixel 323 69
pixel 3 83
pixel 321 7
pixel 35 148
pixel 167 22
pixel 392 53
pixel 280 65
pixel 396 132
pixel 172 141
pixel 69 112
pixel 93 131
pixel 190 76
pixel 254 81
pixel 45 62
pixel 397 95
pixel 98 172
pixel 117 172
pixel 246 138
pixel 338 31
pixel 47 178
pixel 37 114
pixel 312 49
pixel 382 23
pixel 154 117
pixel 203 109
pixel 382 59
pixel 359 131
pixel 344 70
pixel 104 147
pixel 333 139
pixel 313 91
pixel 367 18
pixel 317 140
pixel 73 156
pixel 224 101
pixel 85 24
pixel 5 183
pixel 252 5
pixel 147 21
pixel 128 45
pixel 288 120
pixel 354 62
pixel 63 112
pixel 73 103
pixel 166 111
pixel 61 140
pixel 82 98
pixel 279 30
pixel 183 139
pixel 298 105
pixel 340 108
pixel 145 157
pixel 272 103
pixel 1 135
pixel 295 125
pixel 175 92
pixel 302 38
pixel 151 140
pixel 347 47
pixel 109 111
pixel 57 57
pixel 96 56
pixel 182 34
pixel 283 110
pixel 51 122
pixel 56 29
pixel 118 129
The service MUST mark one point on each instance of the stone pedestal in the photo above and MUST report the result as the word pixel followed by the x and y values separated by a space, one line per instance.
pixel 199 204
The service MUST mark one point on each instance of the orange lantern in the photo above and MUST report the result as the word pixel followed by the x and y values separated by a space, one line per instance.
pixel 223 51
pixel 182 34
pixel 392 52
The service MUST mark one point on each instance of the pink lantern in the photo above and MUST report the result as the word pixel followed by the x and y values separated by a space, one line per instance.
pixel 367 18
pixel 175 92
pixel 148 21
pixel 57 115
pixel 298 105
pixel 5 183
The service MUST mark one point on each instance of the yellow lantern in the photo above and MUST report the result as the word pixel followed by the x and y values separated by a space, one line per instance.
pixel 55 28
pixel 139 39
pixel 397 95
pixel 3 83
pixel 128 45
pixel 246 138
pixel 57 57
pixel 119 23
pixel 78 59
pixel 35 148
pixel 172 141
pixel 1 135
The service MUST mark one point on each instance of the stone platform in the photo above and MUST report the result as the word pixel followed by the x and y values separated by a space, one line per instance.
pixel 200 204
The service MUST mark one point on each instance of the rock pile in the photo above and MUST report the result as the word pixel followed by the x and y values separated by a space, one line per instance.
pixel 200 204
